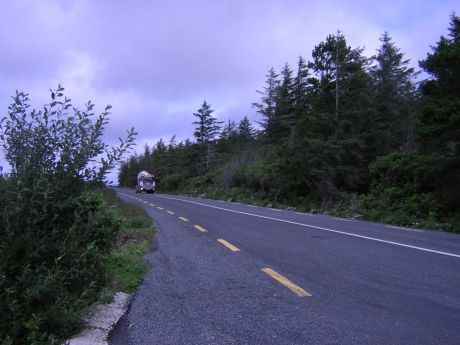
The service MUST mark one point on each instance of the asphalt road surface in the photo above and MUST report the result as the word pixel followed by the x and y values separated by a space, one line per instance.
pixel 227 273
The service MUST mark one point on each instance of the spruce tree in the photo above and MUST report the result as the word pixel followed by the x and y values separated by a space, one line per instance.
pixel 284 116
pixel 205 132
pixel 245 130
pixel 439 126
pixel 267 105
pixel 336 134
pixel 207 125
pixel 301 88
pixel 394 98
pixel 230 131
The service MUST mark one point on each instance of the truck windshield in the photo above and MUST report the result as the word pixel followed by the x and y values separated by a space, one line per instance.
pixel 148 179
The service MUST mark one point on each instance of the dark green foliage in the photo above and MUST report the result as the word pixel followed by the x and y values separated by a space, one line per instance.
pixel 267 105
pixel 423 172
pixel 54 228
pixel 408 189
pixel 439 125
pixel 401 206
pixel 343 130
pixel 245 130
pixel 230 131
pixel 333 134
pixel 207 125
pixel 394 98
pixel 51 248
pixel 284 117
pixel 207 129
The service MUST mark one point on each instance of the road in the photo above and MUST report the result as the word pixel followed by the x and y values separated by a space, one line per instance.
pixel 227 273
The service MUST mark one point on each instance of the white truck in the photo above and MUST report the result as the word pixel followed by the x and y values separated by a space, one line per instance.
pixel 145 182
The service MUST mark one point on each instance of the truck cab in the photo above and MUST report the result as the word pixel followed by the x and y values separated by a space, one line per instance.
pixel 145 183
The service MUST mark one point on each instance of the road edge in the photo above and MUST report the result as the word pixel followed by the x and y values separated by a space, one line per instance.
pixel 101 322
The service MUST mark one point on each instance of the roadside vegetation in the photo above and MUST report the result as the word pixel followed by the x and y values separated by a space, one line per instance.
pixel 341 133
pixel 125 262
pixel 57 233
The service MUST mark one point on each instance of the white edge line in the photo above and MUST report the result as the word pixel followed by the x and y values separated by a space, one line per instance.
pixel 318 227
pixel 403 228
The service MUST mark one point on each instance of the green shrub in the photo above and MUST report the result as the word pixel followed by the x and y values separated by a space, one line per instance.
pixel 54 228
pixel 171 182
pixel 202 181
pixel 51 250
pixel 401 206
pixel 402 168
pixel 413 189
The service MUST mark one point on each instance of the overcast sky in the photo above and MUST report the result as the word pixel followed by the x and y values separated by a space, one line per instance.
pixel 156 61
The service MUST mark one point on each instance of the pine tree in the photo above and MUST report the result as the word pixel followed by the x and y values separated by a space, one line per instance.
pixel 245 130
pixel 227 140
pixel 123 172
pixel 439 126
pixel 130 172
pixel 205 132
pixel 159 153
pixel 266 106
pixel 394 98
pixel 301 88
pixel 146 159
pixel 229 131
pixel 284 116
pixel 172 143
pixel 207 125
pixel 334 137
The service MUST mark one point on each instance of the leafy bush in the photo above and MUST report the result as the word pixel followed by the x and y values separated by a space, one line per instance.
pixel 258 175
pixel 401 206
pixel 204 180
pixel 401 168
pixel 54 228
pixel 403 189
pixel 171 182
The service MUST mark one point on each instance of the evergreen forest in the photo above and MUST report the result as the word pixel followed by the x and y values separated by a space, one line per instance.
pixel 341 132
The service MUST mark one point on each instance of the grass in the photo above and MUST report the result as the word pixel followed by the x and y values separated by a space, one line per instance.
pixel 125 263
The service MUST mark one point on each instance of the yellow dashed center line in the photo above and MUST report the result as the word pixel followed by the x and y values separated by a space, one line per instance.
pixel 200 228
pixel 286 282
pixel 170 212
pixel 228 245
pixel 183 219
pixel 160 208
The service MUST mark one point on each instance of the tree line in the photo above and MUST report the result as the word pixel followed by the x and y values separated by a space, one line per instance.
pixel 339 131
